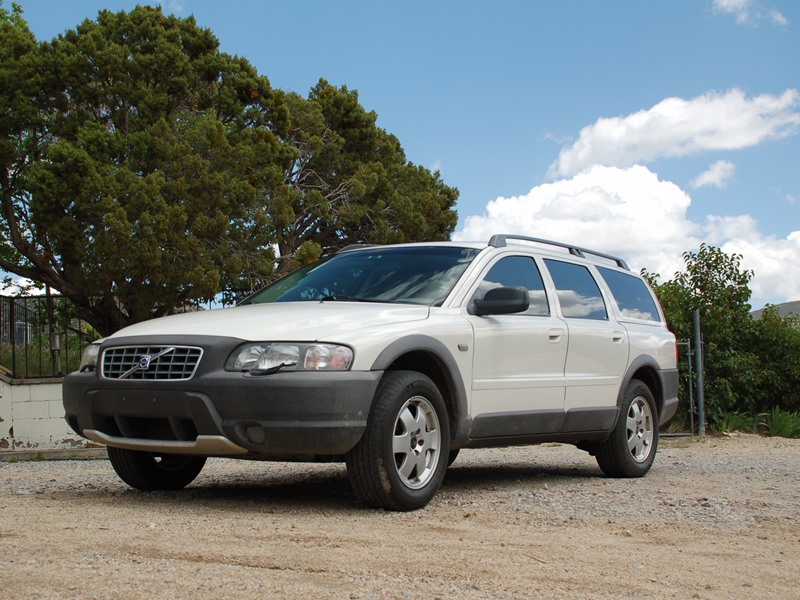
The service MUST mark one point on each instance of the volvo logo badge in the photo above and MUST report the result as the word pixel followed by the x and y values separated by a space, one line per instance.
pixel 144 362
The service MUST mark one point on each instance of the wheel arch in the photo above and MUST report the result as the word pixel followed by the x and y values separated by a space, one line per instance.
pixel 432 358
pixel 647 370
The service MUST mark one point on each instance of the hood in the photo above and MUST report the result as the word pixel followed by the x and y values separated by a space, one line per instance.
pixel 281 321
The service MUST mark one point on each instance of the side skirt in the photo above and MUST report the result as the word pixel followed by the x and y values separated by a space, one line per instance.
pixel 516 428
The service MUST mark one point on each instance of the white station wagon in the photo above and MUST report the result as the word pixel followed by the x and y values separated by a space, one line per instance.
pixel 392 359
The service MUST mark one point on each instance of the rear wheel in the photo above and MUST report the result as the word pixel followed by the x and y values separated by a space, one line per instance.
pixel 148 471
pixel 400 461
pixel 631 448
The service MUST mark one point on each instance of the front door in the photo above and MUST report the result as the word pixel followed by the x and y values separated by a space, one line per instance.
pixel 518 371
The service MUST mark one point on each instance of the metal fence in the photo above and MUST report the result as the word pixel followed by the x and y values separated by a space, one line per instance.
pixel 40 336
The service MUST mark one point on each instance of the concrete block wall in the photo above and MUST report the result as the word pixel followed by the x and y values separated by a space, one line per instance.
pixel 32 417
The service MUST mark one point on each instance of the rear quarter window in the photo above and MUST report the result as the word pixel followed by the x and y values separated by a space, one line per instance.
pixel 633 297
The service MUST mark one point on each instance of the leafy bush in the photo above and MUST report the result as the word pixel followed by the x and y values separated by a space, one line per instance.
pixel 782 423
pixel 735 421
pixel 751 366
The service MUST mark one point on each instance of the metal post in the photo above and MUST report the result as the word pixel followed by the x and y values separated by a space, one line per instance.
pixel 690 386
pixel 12 317
pixel 698 357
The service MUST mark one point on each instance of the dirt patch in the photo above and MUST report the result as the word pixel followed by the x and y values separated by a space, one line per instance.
pixel 716 518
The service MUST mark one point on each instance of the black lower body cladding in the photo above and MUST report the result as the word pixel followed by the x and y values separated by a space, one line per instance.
pixel 285 414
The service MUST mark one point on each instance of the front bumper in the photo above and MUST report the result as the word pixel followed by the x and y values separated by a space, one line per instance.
pixel 290 415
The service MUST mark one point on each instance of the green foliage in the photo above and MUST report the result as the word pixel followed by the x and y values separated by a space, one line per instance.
pixel 751 366
pixel 350 181
pixel 772 344
pixel 13 18
pixel 308 252
pixel 135 170
pixel 141 169
pixel 781 423
pixel 736 421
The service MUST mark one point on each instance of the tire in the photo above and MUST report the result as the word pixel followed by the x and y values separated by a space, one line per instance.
pixel 147 471
pixel 631 448
pixel 452 456
pixel 401 459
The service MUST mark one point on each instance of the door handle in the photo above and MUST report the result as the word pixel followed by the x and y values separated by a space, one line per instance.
pixel 618 337
pixel 554 335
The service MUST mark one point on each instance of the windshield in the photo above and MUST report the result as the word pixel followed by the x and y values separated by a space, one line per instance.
pixel 414 275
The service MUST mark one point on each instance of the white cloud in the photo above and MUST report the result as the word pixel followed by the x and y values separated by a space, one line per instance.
pixel 717 175
pixel 738 8
pixel 775 262
pixel 625 212
pixel 747 12
pixel 21 286
pixel 679 127
pixel 605 199
pixel 173 6
pixel 632 214
pixel 778 18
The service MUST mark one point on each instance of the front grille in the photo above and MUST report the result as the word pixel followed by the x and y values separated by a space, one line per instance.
pixel 153 363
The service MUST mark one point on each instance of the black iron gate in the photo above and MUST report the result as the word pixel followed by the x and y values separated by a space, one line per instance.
pixel 40 336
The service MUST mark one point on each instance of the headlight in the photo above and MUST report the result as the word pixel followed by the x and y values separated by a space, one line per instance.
pixel 289 356
pixel 89 357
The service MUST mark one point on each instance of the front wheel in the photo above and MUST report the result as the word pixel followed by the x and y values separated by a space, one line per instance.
pixel 400 461
pixel 147 471
pixel 631 448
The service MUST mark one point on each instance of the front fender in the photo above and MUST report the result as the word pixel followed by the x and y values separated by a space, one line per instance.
pixel 446 364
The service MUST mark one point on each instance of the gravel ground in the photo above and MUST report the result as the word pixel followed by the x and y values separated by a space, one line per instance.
pixel 715 518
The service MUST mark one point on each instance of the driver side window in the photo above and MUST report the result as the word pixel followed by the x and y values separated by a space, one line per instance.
pixel 517 271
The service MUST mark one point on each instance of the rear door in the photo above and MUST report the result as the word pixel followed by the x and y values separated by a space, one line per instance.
pixel 598 345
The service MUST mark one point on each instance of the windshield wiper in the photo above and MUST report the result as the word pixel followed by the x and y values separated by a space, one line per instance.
pixel 332 298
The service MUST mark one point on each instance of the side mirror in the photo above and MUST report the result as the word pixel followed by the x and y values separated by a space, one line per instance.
pixel 502 301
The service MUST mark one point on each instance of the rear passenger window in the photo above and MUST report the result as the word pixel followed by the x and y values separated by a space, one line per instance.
pixel 578 294
pixel 633 298
pixel 517 271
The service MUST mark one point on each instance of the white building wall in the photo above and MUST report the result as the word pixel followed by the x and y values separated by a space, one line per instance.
pixel 32 417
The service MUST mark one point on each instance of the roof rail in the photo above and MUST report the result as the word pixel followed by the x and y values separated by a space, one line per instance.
pixel 499 241
pixel 356 247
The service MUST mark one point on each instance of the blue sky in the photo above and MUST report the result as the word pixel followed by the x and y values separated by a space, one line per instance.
pixel 636 128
